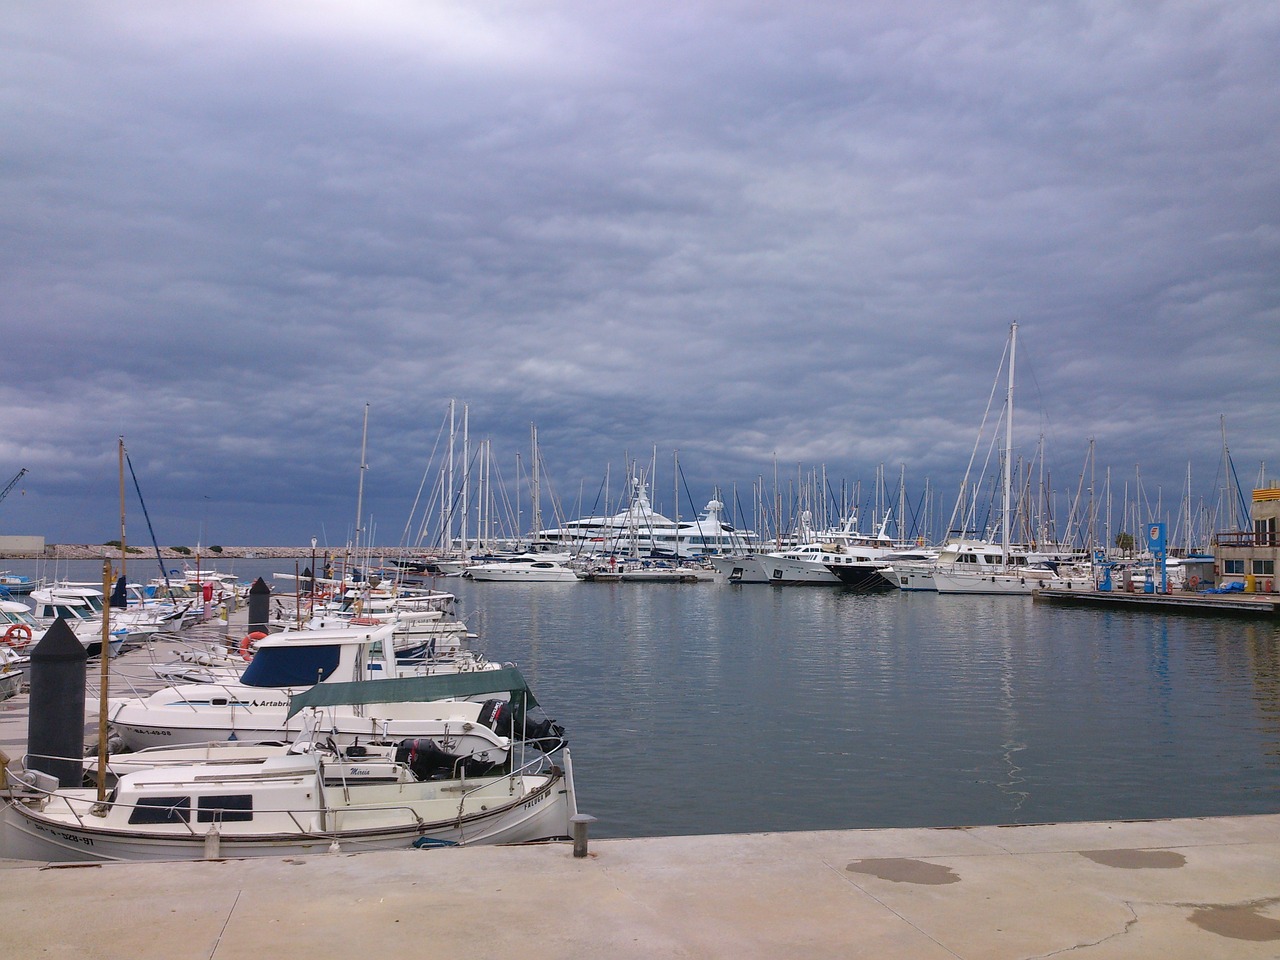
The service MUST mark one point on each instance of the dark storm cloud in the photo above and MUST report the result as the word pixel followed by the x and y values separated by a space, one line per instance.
pixel 739 230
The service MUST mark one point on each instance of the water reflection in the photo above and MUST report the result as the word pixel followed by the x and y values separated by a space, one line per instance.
pixel 714 708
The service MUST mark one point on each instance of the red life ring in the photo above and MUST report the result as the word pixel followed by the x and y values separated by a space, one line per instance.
pixel 14 631
pixel 1192 582
pixel 246 645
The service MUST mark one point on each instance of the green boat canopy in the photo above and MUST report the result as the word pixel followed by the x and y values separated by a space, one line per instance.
pixel 445 686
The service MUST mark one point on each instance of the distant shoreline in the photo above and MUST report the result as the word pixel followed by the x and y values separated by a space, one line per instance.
pixel 91 551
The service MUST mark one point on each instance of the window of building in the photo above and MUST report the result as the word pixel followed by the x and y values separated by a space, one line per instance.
pixel 1264 568
pixel 1230 567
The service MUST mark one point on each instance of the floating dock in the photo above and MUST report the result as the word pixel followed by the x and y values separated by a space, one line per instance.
pixel 1183 602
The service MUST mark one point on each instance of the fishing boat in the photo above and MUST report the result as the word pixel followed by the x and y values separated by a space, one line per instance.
pixel 311 796
pixel 15 584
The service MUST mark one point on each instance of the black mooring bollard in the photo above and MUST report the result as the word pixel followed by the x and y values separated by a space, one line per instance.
pixel 259 606
pixel 55 730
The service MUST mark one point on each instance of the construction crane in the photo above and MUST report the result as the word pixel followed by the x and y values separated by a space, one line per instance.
pixel 13 483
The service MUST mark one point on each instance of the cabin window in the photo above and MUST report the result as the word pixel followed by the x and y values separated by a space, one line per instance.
pixel 294 665
pixel 1233 567
pixel 224 809
pixel 161 810
pixel 1264 568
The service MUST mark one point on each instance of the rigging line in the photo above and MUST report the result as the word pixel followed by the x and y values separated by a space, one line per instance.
pixel 146 516
pixel 408 524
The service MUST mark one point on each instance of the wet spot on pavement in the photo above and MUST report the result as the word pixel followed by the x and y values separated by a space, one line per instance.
pixel 905 871
pixel 1238 921
pixel 1136 859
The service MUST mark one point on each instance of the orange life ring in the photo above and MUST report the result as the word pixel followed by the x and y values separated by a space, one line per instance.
pixel 1193 581
pixel 246 645
pixel 15 630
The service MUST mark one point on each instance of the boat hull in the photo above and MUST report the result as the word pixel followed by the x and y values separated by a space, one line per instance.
pixel 58 835
pixel 1004 584
pixel 861 576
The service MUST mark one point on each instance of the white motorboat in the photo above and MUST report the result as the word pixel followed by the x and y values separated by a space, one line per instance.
pixel 12 675
pixel 75 608
pixel 18 628
pixel 830 558
pixel 525 570
pixel 285 664
pixel 426 622
pixel 229 800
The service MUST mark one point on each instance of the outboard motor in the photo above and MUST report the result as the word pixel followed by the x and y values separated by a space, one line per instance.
pixel 507 719
pixel 496 715
pixel 545 734
pixel 425 759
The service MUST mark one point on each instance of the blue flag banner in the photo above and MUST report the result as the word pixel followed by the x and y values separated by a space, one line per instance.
pixel 1155 539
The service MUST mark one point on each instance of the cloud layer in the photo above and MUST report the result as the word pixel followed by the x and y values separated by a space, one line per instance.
pixel 737 230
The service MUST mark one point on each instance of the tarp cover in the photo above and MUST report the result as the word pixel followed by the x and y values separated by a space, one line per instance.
pixel 444 686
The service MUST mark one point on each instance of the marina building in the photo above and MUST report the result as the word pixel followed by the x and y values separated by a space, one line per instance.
pixel 1249 556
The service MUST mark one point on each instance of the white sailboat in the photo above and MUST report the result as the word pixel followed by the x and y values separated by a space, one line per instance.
pixel 996 569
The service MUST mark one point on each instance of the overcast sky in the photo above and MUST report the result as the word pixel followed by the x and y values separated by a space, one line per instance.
pixel 739 230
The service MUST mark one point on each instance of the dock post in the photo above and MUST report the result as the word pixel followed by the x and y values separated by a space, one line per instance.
pixel 259 606
pixel 580 823
pixel 55 732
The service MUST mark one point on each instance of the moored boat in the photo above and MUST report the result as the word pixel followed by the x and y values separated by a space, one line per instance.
pixel 283 800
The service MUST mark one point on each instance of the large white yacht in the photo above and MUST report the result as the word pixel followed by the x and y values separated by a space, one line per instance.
pixel 829 558
pixel 642 531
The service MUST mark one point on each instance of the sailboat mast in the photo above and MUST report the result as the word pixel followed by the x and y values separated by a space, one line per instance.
pixel 364 437
pixel 122 546
pixel 536 491
pixel 1008 444
pixel 447 538
pixel 466 476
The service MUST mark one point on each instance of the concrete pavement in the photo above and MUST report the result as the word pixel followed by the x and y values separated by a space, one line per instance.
pixel 1195 889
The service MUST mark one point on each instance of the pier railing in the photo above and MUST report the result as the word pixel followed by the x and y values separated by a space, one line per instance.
pixel 1247 538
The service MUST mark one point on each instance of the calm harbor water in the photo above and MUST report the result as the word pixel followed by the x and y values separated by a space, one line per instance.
pixel 711 708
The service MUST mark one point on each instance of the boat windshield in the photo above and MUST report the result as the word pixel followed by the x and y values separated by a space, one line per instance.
pixel 293 666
